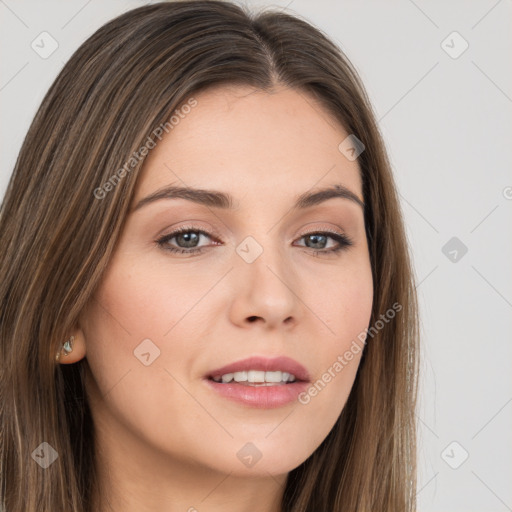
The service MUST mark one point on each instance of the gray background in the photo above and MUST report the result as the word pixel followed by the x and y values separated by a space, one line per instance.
pixel 446 118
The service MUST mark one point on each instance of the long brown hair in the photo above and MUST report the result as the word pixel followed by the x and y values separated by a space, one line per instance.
pixel 57 238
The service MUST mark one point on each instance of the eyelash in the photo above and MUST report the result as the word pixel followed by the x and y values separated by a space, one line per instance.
pixel 343 241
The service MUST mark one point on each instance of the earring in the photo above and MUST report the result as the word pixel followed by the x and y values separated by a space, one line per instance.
pixel 67 348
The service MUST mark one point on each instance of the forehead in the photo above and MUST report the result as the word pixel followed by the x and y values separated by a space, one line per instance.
pixel 252 144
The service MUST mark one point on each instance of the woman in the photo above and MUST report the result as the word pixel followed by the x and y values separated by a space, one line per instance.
pixel 207 298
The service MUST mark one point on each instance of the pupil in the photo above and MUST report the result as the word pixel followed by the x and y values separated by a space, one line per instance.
pixel 186 237
pixel 315 240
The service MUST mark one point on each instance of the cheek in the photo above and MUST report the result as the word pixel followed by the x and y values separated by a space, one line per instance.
pixel 149 297
pixel 126 320
pixel 343 303
pixel 125 311
pixel 354 306
pixel 136 317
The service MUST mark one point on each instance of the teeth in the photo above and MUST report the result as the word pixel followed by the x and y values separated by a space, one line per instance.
pixel 256 376
pixel 273 376
pixel 240 376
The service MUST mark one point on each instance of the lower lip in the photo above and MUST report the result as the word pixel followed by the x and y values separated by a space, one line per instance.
pixel 260 397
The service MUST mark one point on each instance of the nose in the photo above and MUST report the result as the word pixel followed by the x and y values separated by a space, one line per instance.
pixel 266 289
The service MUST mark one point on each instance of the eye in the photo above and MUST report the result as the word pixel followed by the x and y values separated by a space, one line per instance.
pixel 319 239
pixel 188 239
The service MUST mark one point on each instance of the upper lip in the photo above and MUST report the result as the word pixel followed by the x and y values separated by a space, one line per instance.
pixel 283 363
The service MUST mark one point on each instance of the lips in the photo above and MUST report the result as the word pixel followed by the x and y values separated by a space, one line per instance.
pixel 283 364
pixel 254 393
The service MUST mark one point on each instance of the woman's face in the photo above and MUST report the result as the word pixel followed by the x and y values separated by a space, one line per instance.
pixel 260 279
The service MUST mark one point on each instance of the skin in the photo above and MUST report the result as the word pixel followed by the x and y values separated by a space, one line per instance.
pixel 165 440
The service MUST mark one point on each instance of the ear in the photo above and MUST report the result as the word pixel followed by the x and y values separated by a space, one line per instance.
pixel 72 350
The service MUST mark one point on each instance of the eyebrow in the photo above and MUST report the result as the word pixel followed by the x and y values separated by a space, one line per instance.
pixel 217 199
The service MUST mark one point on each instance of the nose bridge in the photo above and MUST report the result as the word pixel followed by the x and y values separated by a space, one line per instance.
pixel 259 252
pixel 261 236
